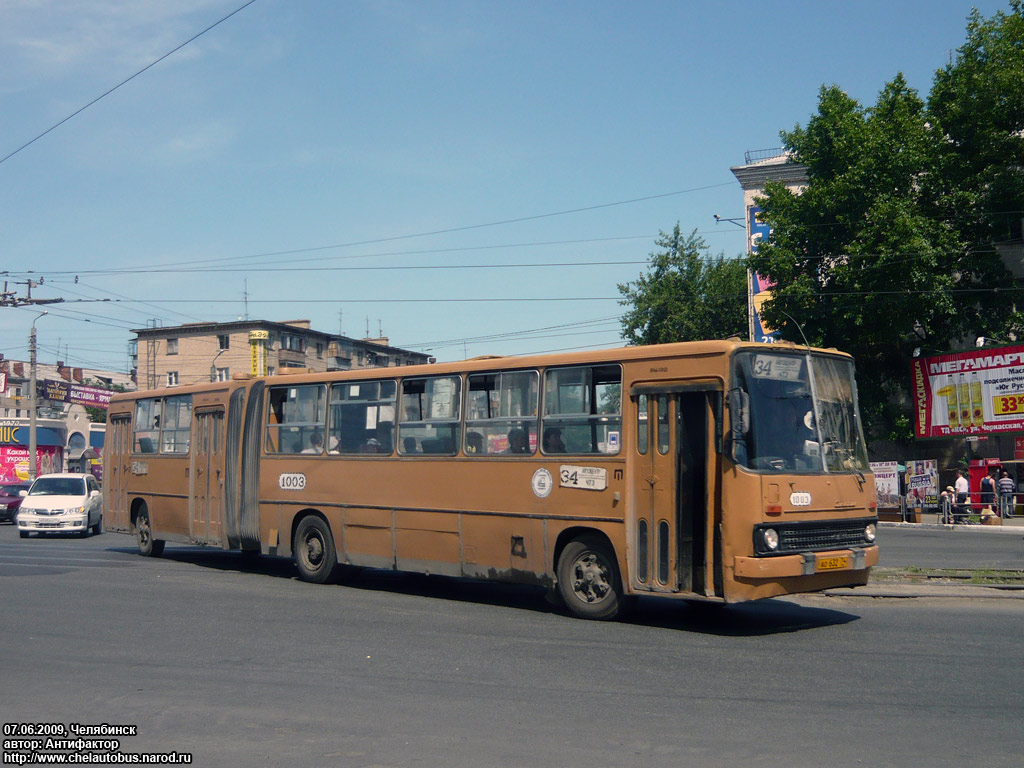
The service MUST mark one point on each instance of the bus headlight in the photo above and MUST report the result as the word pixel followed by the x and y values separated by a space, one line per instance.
pixel 771 539
pixel 869 533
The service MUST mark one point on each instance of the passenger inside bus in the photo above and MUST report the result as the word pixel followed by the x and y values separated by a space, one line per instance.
pixel 553 440
pixel 518 442
pixel 474 443
pixel 316 444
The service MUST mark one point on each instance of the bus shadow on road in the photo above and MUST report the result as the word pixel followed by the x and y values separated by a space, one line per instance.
pixel 758 618
pixel 754 619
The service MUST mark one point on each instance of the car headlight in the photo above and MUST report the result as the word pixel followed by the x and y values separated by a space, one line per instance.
pixel 771 539
pixel 869 533
pixel 74 511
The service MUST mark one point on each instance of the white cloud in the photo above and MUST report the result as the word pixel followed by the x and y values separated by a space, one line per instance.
pixel 42 40
pixel 198 143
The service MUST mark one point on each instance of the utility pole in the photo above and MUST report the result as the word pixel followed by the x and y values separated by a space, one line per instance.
pixel 33 405
pixel 11 298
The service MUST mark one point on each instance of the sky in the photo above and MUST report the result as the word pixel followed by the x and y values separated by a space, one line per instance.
pixel 464 178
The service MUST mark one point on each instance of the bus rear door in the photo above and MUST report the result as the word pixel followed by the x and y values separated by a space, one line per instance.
pixel 117 469
pixel 206 473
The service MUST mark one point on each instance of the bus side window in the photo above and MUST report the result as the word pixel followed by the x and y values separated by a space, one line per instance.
pixel 582 410
pixel 294 414
pixel 362 417
pixel 147 424
pixel 501 413
pixel 177 424
pixel 430 413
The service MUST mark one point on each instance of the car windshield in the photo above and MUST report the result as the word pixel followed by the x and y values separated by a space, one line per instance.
pixel 793 411
pixel 58 486
pixel 12 490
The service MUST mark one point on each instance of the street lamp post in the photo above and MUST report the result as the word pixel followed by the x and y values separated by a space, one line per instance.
pixel 213 366
pixel 33 459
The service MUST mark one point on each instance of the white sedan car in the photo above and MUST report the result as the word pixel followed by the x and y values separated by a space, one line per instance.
pixel 66 503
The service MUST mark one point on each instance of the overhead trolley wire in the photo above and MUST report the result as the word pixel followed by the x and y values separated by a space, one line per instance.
pixel 106 93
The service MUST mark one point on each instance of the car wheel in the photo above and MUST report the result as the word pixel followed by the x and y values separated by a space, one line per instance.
pixel 98 528
pixel 23 534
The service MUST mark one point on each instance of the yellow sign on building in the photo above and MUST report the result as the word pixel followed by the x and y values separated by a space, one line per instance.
pixel 258 341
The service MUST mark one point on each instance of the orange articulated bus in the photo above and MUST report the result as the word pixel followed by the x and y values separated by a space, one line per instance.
pixel 720 471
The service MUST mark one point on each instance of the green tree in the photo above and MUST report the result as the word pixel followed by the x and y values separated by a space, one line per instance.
pixel 977 103
pixel 685 294
pixel 891 245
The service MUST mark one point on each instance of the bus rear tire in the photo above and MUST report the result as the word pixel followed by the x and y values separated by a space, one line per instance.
pixel 315 554
pixel 148 546
pixel 588 579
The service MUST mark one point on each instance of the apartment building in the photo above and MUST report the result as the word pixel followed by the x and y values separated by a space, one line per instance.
pixel 197 352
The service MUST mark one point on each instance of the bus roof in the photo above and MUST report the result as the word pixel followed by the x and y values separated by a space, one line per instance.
pixel 705 348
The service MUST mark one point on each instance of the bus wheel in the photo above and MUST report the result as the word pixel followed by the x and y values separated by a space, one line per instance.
pixel 314 550
pixel 588 579
pixel 148 546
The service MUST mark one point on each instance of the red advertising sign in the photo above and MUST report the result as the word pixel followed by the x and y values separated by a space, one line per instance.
pixel 14 461
pixel 969 393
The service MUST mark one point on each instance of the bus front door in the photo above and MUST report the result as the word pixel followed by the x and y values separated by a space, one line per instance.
pixel 206 478
pixel 671 487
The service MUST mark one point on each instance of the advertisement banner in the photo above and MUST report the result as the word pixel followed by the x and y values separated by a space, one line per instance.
pixel 887 482
pixel 77 394
pixel 14 461
pixel 258 341
pixel 969 393
pixel 923 483
pixel 760 287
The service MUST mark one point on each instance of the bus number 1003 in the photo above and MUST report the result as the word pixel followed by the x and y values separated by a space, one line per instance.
pixel 291 481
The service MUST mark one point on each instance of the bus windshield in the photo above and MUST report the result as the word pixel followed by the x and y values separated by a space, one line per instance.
pixel 793 411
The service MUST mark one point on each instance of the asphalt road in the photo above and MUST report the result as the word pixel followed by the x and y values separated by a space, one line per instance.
pixel 978 547
pixel 240 664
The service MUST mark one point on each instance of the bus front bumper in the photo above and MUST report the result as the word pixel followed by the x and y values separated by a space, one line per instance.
pixel 805 564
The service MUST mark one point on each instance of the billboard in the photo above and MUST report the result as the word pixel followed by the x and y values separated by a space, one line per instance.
pixel 67 392
pixel 969 393
pixel 759 287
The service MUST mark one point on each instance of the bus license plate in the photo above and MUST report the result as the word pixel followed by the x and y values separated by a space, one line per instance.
pixel 833 563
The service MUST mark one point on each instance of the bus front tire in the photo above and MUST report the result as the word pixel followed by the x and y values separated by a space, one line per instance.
pixel 148 546
pixel 588 579
pixel 315 555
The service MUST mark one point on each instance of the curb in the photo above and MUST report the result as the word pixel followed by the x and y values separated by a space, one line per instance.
pixel 1004 529
pixel 928 590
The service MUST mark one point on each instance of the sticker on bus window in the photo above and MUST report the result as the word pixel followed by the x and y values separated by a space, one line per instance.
pixel 778 367
pixel 611 445
pixel 291 481
pixel 587 478
pixel 542 483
